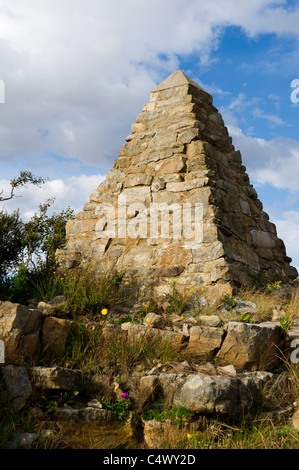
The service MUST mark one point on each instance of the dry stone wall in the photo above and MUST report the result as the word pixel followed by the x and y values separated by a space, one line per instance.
pixel 179 153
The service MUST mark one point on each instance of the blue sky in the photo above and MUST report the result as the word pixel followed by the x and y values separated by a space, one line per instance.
pixel 77 74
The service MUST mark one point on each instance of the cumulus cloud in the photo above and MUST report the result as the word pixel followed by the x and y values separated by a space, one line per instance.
pixel 73 192
pixel 274 161
pixel 76 73
pixel 287 230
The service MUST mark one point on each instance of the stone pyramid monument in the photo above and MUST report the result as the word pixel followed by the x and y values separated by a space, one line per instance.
pixel 177 204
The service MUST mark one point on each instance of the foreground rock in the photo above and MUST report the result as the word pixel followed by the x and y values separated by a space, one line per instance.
pixel 18 386
pixel 52 378
pixel 204 342
pixel 143 332
pixel 251 346
pixel 156 433
pixel 83 414
pixel 208 394
pixel 55 334
pixel 96 428
pixel 24 439
pixel 16 323
pixel 54 305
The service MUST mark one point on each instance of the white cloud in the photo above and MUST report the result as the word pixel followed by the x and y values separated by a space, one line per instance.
pixel 273 119
pixel 238 102
pixel 287 230
pixel 77 73
pixel 273 161
pixel 73 192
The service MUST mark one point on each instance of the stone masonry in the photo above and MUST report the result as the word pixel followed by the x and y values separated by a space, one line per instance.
pixel 179 153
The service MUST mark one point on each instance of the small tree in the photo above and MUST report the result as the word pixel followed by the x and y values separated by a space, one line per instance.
pixel 27 250
pixel 43 235
pixel 24 178
pixel 11 239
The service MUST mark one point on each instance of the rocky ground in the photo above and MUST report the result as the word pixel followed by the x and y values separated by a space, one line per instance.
pixel 218 368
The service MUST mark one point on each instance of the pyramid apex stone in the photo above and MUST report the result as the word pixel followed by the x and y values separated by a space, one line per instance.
pixel 177 78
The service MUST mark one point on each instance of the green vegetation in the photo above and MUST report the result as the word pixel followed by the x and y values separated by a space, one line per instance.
pixel 106 357
pixel 119 408
pixel 246 318
pixel 245 432
pixel 88 350
pixel 157 412
pixel 27 249
pixel 230 301
pixel 84 294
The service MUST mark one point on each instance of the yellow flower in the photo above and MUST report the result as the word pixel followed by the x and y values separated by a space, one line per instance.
pixel 148 320
pixel 182 317
pixel 104 311
pixel 189 436
pixel 146 306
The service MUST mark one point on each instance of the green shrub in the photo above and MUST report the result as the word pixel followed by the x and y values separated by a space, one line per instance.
pixel 158 413
pixel 119 408
pixel 85 295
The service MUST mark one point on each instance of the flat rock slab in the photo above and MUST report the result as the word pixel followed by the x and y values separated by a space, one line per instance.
pixel 52 378
pixel 141 331
pixel 204 342
pixel 83 414
pixel 251 346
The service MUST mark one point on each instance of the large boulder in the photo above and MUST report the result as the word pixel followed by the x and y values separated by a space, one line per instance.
pixel 251 346
pixel 55 333
pixel 54 378
pixel 18 386
pixel 17 321
pixel 17 316
pixel 204 342
pixel 209 394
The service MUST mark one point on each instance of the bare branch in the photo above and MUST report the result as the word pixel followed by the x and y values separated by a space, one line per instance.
pixel 24 178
